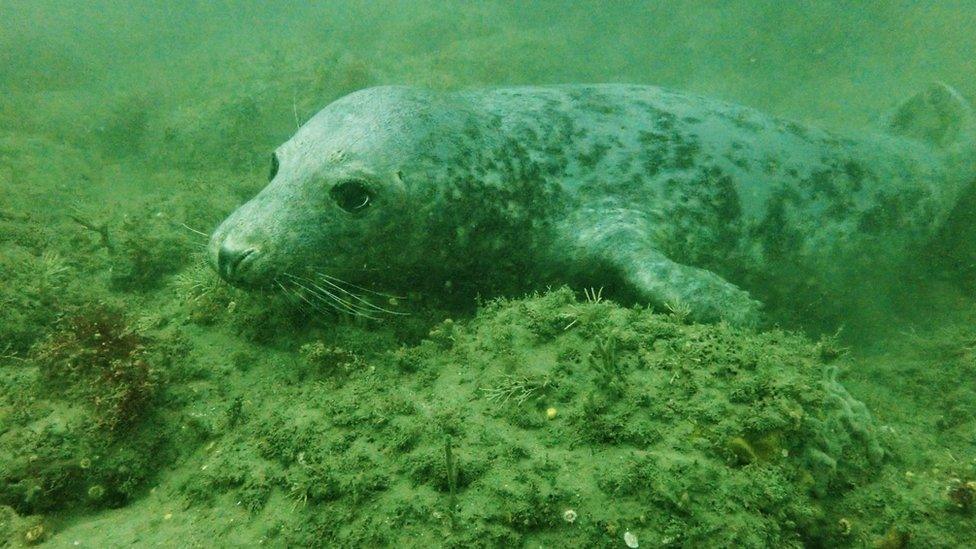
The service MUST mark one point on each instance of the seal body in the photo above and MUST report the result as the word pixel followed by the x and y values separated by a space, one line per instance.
pixel 671 198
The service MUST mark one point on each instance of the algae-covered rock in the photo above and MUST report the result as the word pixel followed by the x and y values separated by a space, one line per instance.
pixel 97 356
pixel 684 420
pixel 684 435
pixel 73 434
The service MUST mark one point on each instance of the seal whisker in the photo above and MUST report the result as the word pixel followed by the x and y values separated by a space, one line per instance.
pixel 374 292
pixel 332 304
pixel 359 309
pixel 191 229
pixel 363 269
pixel 312 304
pixel 299 290
pixel 359 298
pixel 334 300
pixel 291 295
pixel 319 307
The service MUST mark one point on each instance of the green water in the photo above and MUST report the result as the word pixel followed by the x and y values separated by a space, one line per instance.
pixel 144 402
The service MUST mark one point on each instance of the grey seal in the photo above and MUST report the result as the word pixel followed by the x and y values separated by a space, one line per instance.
pixel 668 198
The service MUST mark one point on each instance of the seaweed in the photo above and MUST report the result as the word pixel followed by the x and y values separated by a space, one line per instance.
pixel 145 251
pixel 300 429
pixel 452 476
pixel 98 355
pixel 604 360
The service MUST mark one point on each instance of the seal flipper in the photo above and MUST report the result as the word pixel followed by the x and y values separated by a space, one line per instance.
pixel 939 115
pixel 708 297
pixel 618 240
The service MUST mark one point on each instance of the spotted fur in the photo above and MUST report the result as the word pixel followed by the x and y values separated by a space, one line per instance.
pixel 668 197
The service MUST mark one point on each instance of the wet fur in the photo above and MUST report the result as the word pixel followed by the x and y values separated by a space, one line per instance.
pixel 667 197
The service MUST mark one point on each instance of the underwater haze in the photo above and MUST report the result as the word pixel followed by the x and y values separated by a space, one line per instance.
pixel 144 401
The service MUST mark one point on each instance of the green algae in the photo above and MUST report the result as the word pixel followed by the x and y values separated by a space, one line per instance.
pixel 353 441
pixel 243 419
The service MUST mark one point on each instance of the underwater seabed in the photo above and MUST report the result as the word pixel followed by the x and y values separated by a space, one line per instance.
pixel 144 402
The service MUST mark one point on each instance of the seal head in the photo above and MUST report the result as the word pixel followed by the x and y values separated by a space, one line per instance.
pixel 336 202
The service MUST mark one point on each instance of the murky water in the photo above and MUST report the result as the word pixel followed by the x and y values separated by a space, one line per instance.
pixel 144 401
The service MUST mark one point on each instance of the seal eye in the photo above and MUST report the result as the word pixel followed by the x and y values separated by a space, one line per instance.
pixel 352 196
pixel 274 166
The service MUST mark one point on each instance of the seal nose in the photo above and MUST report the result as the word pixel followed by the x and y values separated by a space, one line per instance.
pixel 231 260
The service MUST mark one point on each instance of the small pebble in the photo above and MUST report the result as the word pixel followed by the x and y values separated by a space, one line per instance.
pixel 631 540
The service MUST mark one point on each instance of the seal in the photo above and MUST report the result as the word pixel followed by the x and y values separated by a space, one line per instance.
pixel 664 197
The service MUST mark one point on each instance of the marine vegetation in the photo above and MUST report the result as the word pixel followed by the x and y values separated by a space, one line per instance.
pixel 461 445
pixel 77 435
pixel 143 400
pixel 98 357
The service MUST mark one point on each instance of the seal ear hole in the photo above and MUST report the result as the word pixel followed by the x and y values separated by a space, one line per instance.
pixel 274 166
pixel 352 196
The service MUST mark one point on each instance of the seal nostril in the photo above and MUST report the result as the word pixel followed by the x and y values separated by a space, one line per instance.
pixel 229 260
